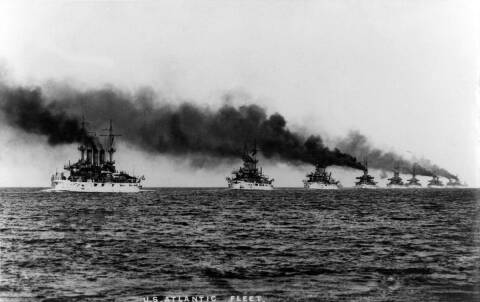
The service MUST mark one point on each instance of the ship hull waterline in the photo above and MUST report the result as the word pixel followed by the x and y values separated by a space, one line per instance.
pixel 244 185
pixel 366 187
pixel 94 187
pixel 414 186
pixel 320 186
pixel 396 187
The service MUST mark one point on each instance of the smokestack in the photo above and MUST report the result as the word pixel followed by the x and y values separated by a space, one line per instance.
pixel 81 148
pixel 89 156
pixel 95 156
pixel 102 156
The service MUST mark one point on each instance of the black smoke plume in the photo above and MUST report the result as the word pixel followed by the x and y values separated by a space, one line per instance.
pixel 357 145
pixel 25 109
pixel 157 126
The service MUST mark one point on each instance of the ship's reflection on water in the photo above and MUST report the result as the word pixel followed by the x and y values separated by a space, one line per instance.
pixel 395 245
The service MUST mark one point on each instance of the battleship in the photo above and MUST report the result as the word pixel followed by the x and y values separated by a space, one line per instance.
pixel 366 181
pixel 249 177
pixel 413 182
pixel 320 179
pixel 435 182
pixel 93 172
pixel 396 181
pixel 455 183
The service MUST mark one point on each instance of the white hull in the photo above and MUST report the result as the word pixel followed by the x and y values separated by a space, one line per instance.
pixel 413 186
pixel 320 186
pixel 366 187
pixel 436 187
pixel 244 185
pixel 396 187
pixel 107 187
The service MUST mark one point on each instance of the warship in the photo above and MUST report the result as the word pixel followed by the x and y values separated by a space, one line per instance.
pixel 249 176
pixel 455 183
pixel 320 179
pixel 93 172
pixel 413 182
pixel 435 182
pixel 396 181
pixel 366 181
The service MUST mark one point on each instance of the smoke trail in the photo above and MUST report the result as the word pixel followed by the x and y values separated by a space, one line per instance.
pixel 26 110
pixel 186 129
pixel 357 145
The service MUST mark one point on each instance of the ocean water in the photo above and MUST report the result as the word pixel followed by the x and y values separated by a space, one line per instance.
pixel 284 245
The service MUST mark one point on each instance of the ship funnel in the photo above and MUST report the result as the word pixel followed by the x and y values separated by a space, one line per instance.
pixel 102 156
pixel 89 155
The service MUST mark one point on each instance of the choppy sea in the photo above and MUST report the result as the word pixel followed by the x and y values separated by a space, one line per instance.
pixel 284 245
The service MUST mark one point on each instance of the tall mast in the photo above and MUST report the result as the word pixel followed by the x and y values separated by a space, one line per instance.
pixel 82 148
pixel 254 152
pixel 111 139
pixel 397 169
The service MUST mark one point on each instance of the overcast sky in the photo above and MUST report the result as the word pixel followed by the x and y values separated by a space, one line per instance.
pixel 404 73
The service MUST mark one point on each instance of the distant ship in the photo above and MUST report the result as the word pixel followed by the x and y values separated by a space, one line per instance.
pixel 435 182
pixel 320 179
pixel 396 181
pixel 455 183
pixel 249 177
pixel 93 173
pixel 413 182
pixel 366 181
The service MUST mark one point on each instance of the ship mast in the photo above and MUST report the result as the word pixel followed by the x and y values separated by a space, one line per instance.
pixel 111 137
pixel 254 152
pixel 82 147
pixel 396 172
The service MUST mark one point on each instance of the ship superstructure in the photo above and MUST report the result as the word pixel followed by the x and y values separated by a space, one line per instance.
pixel 320 179
pixel 249 176
pixel 93 172
pixel 435 182
pixel 396 181
pixel 413 182
pixel 455 183
pixel 366 181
